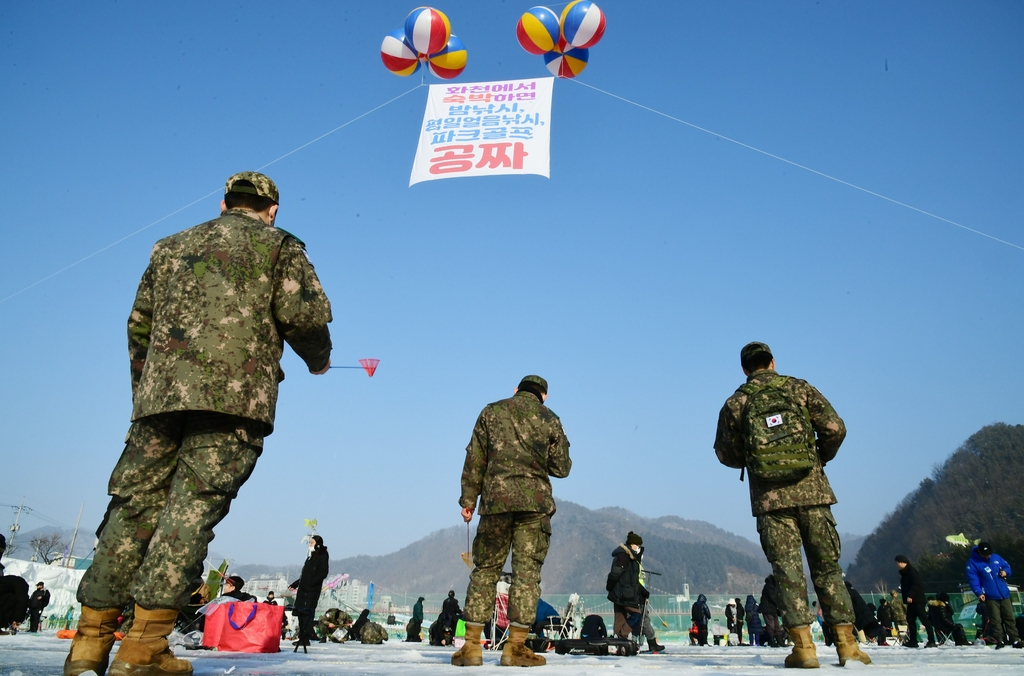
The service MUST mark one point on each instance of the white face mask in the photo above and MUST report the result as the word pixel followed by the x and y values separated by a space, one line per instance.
pixel 312 546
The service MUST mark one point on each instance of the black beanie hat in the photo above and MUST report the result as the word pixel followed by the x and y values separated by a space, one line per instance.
pixel 634 539
pixel 902 559
pixel 984 548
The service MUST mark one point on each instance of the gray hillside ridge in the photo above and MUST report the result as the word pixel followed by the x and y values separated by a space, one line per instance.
pixel 692 552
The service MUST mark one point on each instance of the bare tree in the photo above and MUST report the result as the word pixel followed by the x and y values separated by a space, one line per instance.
pixel 12 548
pixel 48 547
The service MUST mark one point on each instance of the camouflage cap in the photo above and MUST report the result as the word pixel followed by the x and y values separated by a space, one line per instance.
pixel 537 380
pixel 260 185
pixel 750 349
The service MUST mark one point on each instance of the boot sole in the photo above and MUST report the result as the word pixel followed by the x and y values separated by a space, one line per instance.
pixel 468 663
pixel 118 668
pixel 511 663
pixel 806 664
pixel 79 667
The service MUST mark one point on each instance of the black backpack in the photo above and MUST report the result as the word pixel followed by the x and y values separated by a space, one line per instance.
pixel 593 627
pixel 778 438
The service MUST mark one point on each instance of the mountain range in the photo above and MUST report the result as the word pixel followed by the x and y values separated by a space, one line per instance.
pixel 709 559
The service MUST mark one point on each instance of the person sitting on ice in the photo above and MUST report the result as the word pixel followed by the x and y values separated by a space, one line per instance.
pixel 330 622
pixel 357 626
pixel 233 588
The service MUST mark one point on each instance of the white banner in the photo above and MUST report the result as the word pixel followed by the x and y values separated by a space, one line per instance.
pixel 485 129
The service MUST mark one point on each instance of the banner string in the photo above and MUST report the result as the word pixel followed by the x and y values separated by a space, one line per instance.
pixel 206 196
pixel 797 165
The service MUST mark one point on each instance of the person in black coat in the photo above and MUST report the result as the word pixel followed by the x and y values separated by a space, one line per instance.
pixel 39 600
pixel 701 614
pixel 450 611
pixel 740 615
pixel 772 612
pixel 940 612
pixel 355 631
pixel 884 621
pixel 627 593
pixel 13 603
pixel 863 614
pixel 307 588
pixel 912 587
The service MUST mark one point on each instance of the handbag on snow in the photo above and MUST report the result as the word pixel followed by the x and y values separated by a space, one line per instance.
pixel 244 627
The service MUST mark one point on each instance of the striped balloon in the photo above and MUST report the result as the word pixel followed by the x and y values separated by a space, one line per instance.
pixel 582 24
pixel 569 64
pixel 427 30
pixel 397 55
pixel 450 61
pixel 538 30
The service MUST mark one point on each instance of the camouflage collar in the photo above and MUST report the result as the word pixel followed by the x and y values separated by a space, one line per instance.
pixel 764 374
pixel 527 393
pixel 248 213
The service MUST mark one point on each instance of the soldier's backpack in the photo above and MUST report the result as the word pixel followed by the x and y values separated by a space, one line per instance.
pixel 778 438
pixel 373 633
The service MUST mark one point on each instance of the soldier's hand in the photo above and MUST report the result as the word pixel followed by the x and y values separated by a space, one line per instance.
pixel 467 514
pixel 981 597
pixel 323 370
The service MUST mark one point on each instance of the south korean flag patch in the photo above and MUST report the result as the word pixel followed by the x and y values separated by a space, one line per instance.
pixel 774 420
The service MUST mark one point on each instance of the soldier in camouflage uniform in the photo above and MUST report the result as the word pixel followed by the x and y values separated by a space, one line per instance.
pixel 205 338
pixel 795 513
pixel 330 622
pixel 517 444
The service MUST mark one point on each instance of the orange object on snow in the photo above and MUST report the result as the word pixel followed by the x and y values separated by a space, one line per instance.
pixel 66 633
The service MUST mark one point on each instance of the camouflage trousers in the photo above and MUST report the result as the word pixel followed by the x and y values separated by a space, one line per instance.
pixel 528 535
pixel 173 483
pixel 783 532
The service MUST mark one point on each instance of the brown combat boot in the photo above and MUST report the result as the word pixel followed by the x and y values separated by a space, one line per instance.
pixel 90 649
pixel 515 653
pixel 846 645
pixel 803 655
pixel 144 651
pixel 470 654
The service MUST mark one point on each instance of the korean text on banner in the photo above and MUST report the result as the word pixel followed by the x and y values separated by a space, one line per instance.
pixel 485 129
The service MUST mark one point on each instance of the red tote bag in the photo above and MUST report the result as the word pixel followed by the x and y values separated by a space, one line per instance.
pixel 244 627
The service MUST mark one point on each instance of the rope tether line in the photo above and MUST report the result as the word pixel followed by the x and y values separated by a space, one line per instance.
pixel 797 165
pixel 206 196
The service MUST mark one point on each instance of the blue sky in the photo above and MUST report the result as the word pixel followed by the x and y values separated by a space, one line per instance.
pixel 629 279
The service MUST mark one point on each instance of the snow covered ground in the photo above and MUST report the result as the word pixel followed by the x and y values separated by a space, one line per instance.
pixel 43 654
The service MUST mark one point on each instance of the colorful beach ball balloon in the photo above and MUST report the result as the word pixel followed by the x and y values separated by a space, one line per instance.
pixel 427 30
pixel 450 61
pixel 397 55
pixel 568 64
pixel 582 24
pixel 538 30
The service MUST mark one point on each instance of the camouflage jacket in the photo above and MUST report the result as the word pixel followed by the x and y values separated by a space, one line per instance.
pixel 212 309
pixel 336 616
pixel 812 489
pixel 517 443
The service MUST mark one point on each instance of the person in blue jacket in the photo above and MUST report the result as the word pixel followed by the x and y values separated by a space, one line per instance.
pixel 987 573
